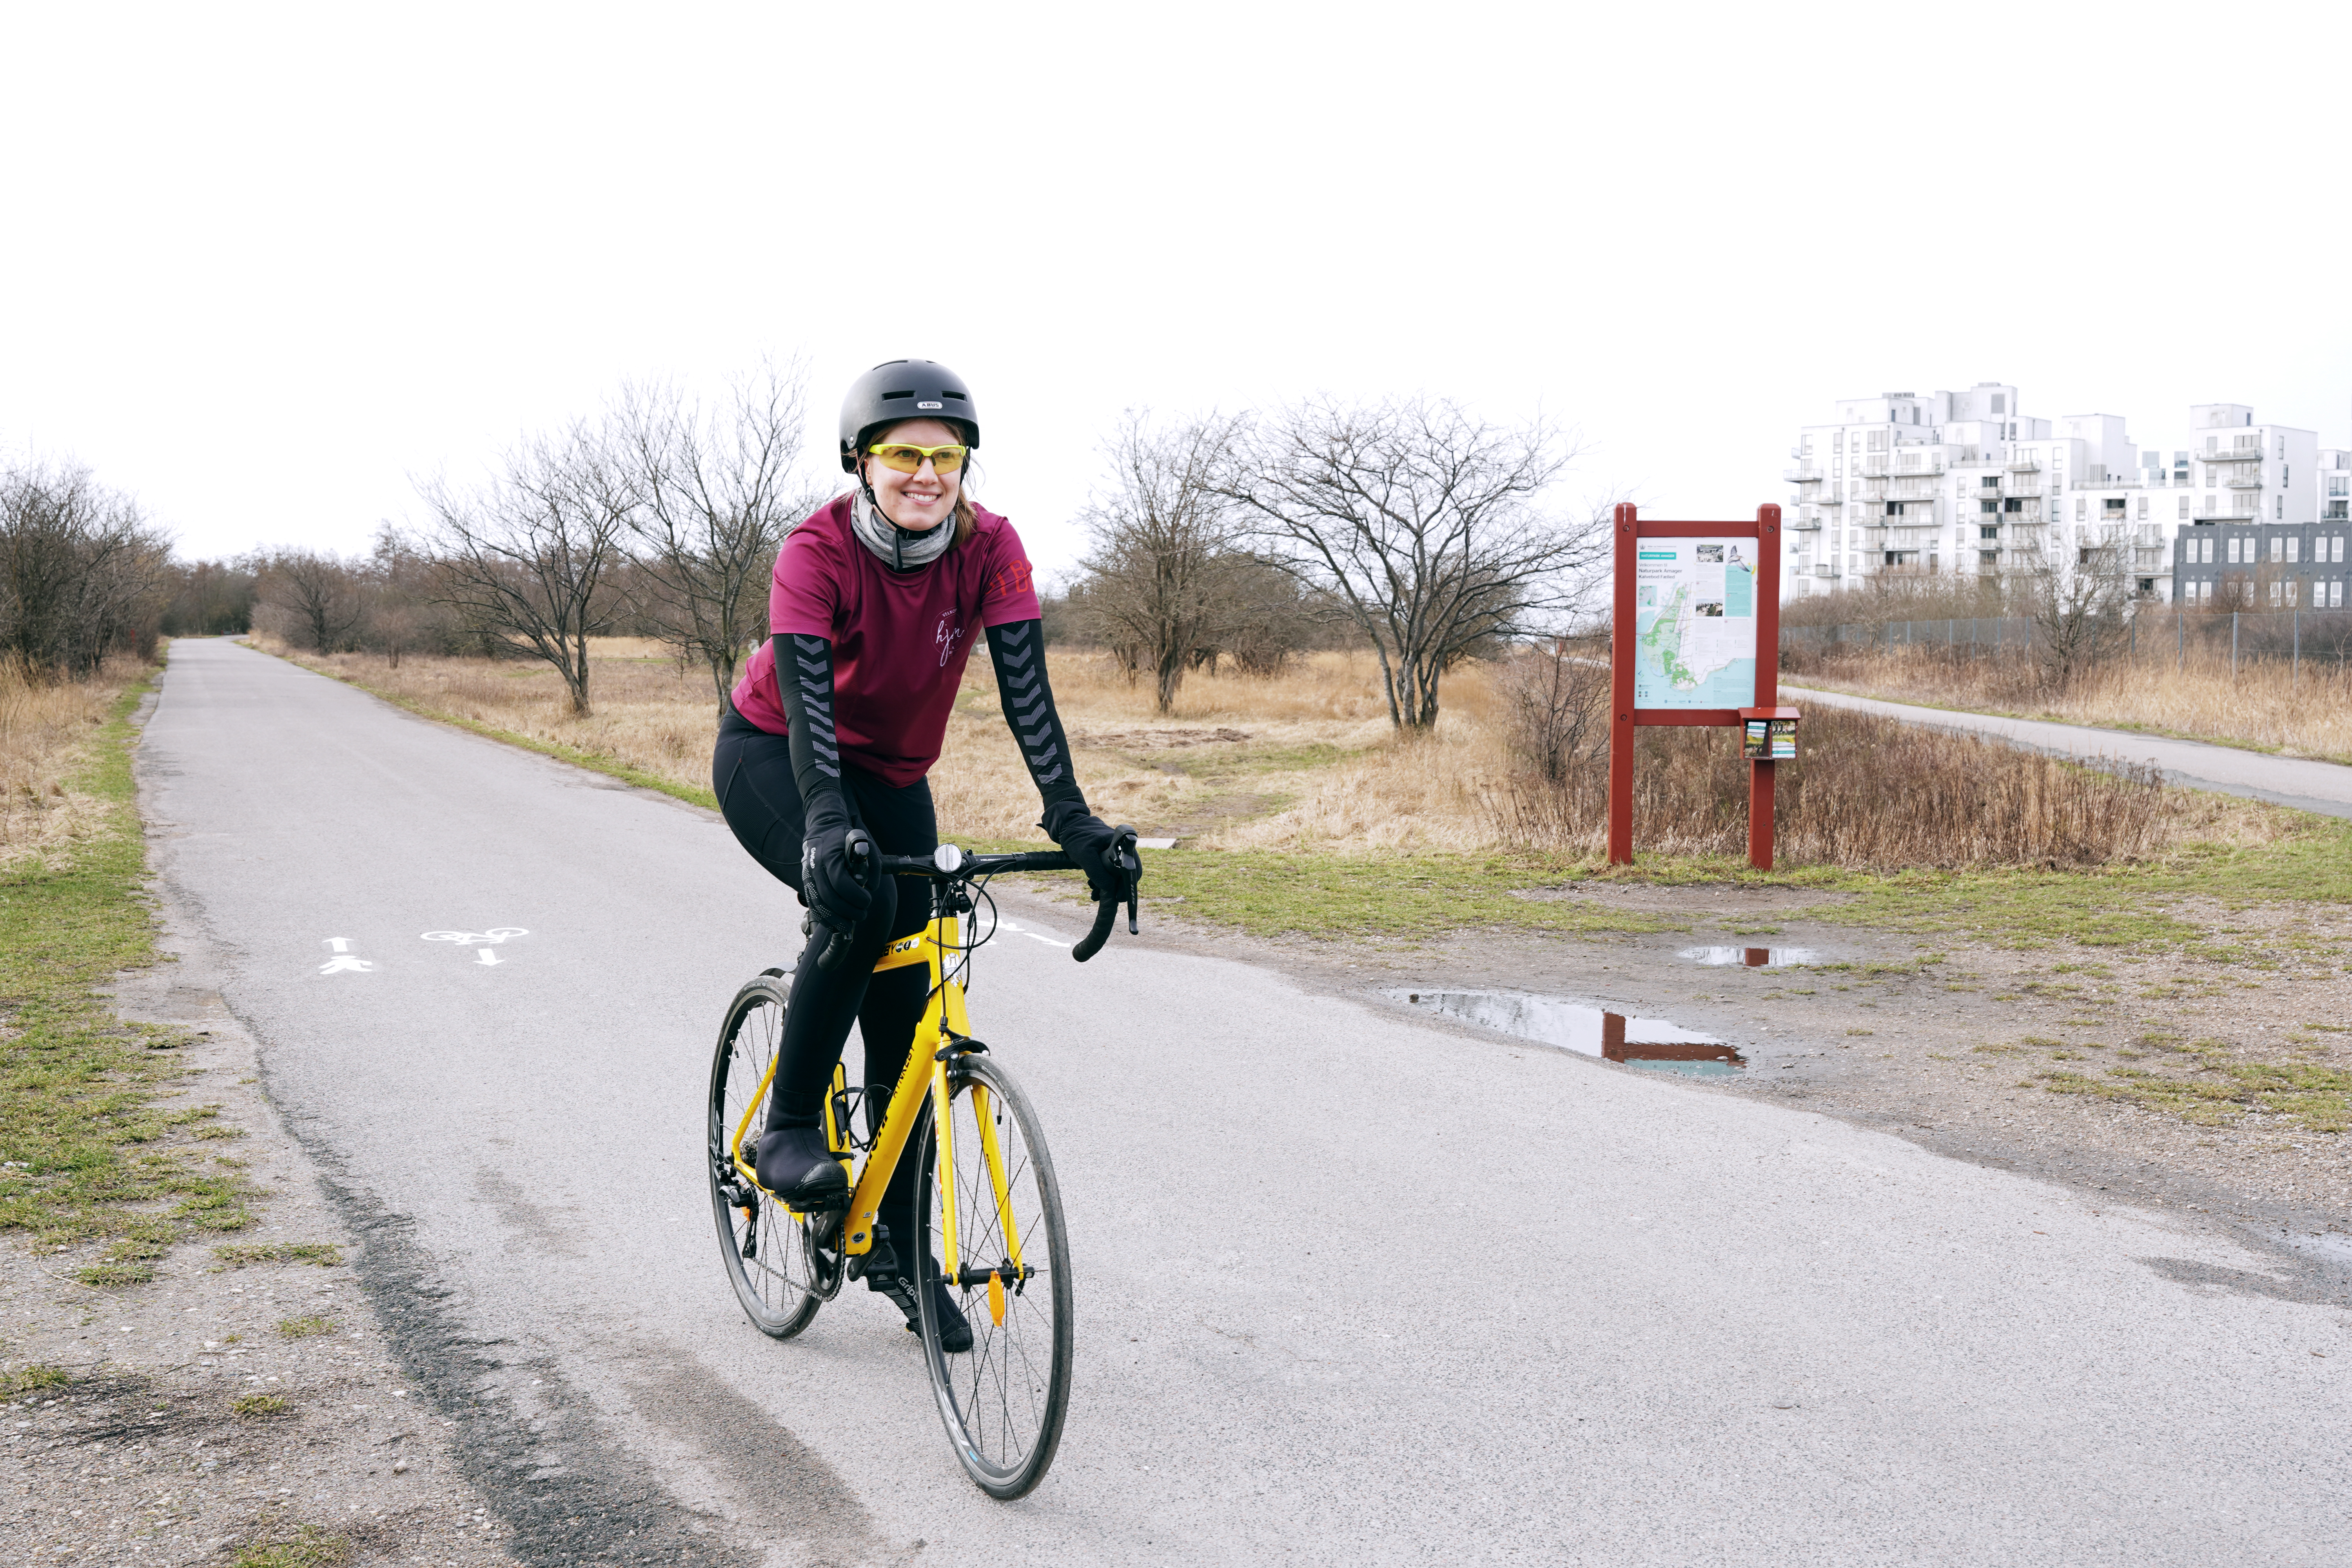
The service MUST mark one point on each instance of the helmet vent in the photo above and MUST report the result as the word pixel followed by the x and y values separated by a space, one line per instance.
pixel 950 392
pixel 889 395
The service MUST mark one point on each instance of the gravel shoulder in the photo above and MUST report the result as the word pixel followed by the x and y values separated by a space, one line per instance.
pixel 229 1410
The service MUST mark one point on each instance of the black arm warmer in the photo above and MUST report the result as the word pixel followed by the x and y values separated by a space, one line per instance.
pixel 1018 649
pixel 804 688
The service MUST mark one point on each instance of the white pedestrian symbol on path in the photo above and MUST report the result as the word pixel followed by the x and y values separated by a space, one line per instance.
pixel 484 942
pixel 343 962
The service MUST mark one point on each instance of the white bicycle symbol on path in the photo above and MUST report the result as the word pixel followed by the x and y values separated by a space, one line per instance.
pixel 481 941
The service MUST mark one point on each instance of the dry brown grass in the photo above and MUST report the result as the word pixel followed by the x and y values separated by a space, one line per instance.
pixel 650 714
pixel 1872 794
pixel 2265 704
pixel 46 729
pixel 1306 761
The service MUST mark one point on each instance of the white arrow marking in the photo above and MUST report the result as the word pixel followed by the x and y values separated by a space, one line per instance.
pixel 1020 930
pixel 340 943
pixel 487 956
pixel 468 938
pixel 343 962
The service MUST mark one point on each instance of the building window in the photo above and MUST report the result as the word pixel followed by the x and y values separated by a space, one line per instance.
pixel 2278 511
pixel 1988 530
pixel 2294 549
pixel 2184 506
pixel 2278 549
pixel 2275 591
pixel 2081 509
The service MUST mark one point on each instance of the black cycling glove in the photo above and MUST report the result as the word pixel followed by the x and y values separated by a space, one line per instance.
pixel 1027 697
pixel 804 686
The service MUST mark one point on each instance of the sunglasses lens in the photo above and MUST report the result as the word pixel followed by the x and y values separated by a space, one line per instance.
pixel 907 459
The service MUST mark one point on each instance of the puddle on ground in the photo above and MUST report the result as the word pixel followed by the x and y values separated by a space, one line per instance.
pixel 1590 1031
pixel 1753 957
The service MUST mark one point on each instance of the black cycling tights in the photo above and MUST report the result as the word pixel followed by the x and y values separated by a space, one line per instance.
pixel 751 773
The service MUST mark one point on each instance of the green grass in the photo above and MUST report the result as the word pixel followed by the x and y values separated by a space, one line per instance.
pixel 31 1380
pixel 307 1326
pixel 238 1255
pixel 2218 1092
pixel 254 1406
pixel 89 1154
pixel 307 1547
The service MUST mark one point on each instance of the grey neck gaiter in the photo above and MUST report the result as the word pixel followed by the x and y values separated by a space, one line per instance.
pixel 898 548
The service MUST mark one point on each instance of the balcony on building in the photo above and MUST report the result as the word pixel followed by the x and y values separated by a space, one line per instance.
pixel 2244 479
pixel 2019 486
pixel 2024 465
pixel 1804 474
pixel 1873 467
pixel 1806 524
pixel 1825 570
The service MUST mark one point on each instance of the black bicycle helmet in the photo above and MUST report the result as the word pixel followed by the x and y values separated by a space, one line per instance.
pixel 904 389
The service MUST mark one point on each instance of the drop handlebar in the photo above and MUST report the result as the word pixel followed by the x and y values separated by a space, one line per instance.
pixel 950 864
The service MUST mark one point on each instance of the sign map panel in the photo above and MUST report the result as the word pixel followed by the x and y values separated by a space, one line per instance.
pixel 1695 623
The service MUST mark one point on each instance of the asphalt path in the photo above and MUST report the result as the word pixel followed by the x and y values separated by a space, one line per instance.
pixel 1352 1288
pixel 2298 782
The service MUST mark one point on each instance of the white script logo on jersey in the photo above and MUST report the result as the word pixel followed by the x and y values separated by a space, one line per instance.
pixel 947 637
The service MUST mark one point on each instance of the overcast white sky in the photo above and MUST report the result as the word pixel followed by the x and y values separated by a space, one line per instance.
pixel 263 263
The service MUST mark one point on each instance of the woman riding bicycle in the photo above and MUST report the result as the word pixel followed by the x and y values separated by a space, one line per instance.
pixel 835 723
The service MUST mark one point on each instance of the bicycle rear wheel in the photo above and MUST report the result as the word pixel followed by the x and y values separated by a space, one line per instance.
pixel 1003 1401
pixel 780 1275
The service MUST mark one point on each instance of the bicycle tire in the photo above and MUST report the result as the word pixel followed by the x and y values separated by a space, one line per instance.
pixel 1002 1402
pixel 780 1277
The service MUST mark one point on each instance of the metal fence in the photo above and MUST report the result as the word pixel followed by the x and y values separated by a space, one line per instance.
pixel 2157 632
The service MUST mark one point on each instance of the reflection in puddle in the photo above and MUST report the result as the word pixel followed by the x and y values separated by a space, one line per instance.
pixel 1572 1026
pixel 1753 957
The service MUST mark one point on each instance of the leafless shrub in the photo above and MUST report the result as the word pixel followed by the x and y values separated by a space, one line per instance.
pixel 210 598
pixel 82 572
pixel 526 561
pixel 1430 527
pixel 1865 793
pixel 319 602
pixel 1556 703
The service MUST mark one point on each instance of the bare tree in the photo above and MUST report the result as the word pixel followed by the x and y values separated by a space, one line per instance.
pixel 1161 532
pixel 1426 523
pixel 2078 606
pixel 82 571
pixel 320 596
pixel 526 561
pixel 719 487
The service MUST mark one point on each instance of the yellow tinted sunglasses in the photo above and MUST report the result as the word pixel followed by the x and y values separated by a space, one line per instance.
pixel 906 460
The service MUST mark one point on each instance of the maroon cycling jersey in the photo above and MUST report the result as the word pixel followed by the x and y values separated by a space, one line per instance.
pixel 900 638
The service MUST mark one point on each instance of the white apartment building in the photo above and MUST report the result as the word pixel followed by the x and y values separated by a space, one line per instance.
pixel 1965 482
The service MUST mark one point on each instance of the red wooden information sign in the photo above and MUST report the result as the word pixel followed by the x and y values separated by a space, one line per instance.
pixel 1696 639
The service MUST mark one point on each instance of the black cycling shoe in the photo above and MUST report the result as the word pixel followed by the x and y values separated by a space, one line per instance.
pixel 794 1164
pixel 955 1333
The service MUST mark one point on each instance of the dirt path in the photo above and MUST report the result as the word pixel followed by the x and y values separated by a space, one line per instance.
pixel 1978 1052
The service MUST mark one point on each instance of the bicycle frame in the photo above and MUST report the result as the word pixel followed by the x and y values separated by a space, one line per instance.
pixel 944 1032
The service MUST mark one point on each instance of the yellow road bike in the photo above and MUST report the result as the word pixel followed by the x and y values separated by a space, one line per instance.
pixel 991 1201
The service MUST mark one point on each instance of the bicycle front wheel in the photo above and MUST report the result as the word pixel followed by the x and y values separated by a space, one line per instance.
pixel 781 1276
pixel 1003 1400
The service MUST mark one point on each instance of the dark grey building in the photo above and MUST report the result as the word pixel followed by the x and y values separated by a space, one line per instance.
pixel 2277 565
